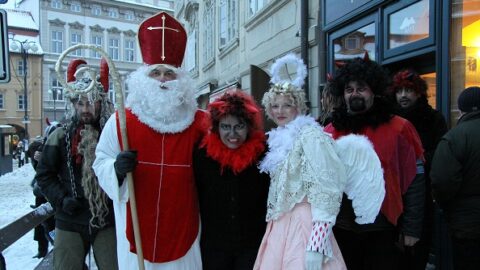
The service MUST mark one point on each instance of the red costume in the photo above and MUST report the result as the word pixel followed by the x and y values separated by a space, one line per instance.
pixel 164 167
pixel 398 146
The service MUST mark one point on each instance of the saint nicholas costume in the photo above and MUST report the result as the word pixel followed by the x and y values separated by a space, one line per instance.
pixel 163 126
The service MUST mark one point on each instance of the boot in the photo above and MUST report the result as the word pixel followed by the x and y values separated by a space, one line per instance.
pixel 42 250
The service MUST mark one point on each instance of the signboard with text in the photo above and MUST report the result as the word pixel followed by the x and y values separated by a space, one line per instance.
pixel 4 56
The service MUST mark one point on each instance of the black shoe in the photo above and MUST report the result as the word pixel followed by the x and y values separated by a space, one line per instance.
pixel 40 254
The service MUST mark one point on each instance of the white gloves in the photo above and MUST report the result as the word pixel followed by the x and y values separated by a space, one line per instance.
pixel 313 260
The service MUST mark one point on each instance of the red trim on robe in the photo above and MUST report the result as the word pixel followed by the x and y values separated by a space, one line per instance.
pixel 398 146
pixel 166 196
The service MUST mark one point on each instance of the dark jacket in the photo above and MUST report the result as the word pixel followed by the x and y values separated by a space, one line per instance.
pixel 232 207
pixel 455 177
pixel 431 126
pixel 54 179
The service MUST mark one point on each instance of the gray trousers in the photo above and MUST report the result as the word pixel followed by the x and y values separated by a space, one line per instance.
pixel 70 250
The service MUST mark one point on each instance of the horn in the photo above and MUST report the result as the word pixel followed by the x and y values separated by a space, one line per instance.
pixel 329 77
pixel 340 64
pixel 72 68
pixel 47 121
pixel 104 74
pixel 366 57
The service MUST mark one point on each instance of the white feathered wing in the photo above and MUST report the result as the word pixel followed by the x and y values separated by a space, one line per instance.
pixel 365 184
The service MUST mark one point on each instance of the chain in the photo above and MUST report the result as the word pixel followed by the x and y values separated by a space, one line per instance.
pixel 69 162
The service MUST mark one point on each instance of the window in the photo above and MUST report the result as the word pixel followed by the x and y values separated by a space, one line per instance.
pixel 228 21
pixel 2 106
pixel 208 40
pixel 129 50
pixel 57 90
pixel 464 51
pixel 57 4
pixel 96 10
pixel 256 5
pixel 21 102
pixel 113 48
pixel 75 6
pixel 352 43
pixel 76 39
pixel 57 41
pixel 112 13
pixel 129 15
pixel 20 68
pixel 97 40
pixel 111 91
pixel 191 57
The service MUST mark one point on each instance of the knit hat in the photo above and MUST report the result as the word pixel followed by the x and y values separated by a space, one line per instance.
pixel 469 99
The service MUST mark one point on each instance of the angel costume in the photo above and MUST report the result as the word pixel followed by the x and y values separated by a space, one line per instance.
pixel 307 183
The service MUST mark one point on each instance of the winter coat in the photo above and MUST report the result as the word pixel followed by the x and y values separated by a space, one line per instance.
pixel 54 179
pixel 232 207
pixel 431 126
pixel 455 177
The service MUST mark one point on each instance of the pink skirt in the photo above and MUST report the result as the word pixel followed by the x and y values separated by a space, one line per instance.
pixel 285 241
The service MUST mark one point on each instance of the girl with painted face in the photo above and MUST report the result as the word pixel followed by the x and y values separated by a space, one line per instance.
pixel 232 192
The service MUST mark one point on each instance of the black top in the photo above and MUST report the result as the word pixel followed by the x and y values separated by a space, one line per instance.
pixel 232 207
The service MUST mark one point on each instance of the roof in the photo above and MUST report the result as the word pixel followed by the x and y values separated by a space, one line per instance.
pixel 28 39
pixel 21 19
pixel 164 7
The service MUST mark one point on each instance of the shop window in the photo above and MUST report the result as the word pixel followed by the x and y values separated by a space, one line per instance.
pixel 464 50
pixel 353 41
pixel 409 26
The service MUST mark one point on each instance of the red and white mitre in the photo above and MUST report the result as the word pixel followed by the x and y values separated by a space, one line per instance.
pixel 162 40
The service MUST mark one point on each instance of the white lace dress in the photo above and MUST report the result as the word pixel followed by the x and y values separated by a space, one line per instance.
pixel 307 183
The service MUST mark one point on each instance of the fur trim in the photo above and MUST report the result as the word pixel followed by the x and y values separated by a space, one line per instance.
pixel 235 159
pixel 280 142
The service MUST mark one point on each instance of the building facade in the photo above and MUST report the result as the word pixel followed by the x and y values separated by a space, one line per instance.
pixel 111 25
pixel 20 99
pixel 233 43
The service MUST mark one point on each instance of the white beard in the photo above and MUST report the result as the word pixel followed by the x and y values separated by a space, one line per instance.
pixel 168 110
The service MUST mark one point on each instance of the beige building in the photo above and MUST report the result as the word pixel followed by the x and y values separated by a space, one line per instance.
pixel 227 39
pixel 20 107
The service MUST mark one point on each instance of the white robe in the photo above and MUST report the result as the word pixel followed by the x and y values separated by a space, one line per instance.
pixel 107 150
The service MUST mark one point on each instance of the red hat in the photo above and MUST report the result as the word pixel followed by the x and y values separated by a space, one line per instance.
pixel 162 40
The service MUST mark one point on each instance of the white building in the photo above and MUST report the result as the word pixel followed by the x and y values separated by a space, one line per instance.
pixel 228 37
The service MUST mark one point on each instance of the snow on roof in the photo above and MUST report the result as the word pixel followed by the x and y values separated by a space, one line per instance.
pixel 162 7
pixel 21 19
pixel 29 40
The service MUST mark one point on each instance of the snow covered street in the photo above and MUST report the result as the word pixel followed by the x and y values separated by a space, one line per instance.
pixel 15 199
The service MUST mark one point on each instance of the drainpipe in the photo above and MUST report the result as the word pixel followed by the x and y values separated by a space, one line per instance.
pixel 304 40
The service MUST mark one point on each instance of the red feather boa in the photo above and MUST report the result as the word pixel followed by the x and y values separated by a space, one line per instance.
pixel 235 159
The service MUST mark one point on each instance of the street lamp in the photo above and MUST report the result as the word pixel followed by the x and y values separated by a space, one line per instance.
pixel 25 46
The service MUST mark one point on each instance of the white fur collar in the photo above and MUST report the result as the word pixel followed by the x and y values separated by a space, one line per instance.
pixel 280 142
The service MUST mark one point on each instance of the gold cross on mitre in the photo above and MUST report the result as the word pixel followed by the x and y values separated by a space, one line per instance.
pixel 163 28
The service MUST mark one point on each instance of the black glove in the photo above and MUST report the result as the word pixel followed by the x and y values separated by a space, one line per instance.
pixel 126 162
pixel 71 205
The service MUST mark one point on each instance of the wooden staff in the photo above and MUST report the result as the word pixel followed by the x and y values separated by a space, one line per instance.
pixel 123 126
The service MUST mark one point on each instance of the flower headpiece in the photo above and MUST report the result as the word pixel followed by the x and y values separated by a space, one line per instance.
pixel 283 85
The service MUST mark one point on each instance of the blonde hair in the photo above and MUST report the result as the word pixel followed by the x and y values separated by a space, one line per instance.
pixel 297 97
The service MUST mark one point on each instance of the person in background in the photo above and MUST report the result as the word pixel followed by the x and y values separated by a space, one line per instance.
pixel 410 92
pixel 40 233
pixel 232 191
pixel 20 153
pixel 84 216
pixel 365 111
pixel 455 174
pixel 164 126
pixel 329 102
